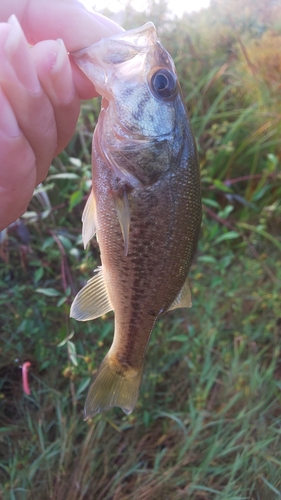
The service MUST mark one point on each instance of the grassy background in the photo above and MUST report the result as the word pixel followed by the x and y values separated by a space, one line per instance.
pixel 208 421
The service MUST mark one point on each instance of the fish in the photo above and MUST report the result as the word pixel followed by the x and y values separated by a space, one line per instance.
pixel 144 205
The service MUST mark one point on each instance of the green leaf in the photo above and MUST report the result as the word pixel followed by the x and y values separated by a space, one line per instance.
pixel 221 186
pixel 76 162
pixel 75 198
pixel 262 232
pixel 66 175
pixel 38 274
pixel 65 241
pixel 208 259
pixel 61 301
pixel 50 292
pixel 84 384
pixel 72 353
pixel 231 235
pixel 272 161
pixel 259 193
pixel 66 339
pixel 179 338
pixel 223 214
pixel 210 203
pixel 47 243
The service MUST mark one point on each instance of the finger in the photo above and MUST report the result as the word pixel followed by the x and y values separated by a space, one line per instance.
pixel 31 106
pixel 54 71
pixel 18 170
pixel 52 19
pixel 80 29
pixel 65 19
pixel 43 20
pixel 84 86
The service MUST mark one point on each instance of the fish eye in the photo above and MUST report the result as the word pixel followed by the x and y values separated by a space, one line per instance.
pixel 163 84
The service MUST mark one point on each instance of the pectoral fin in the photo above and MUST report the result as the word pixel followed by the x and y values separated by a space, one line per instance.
pixel 92 301
pixel 123 214
pixel 183 299
pixel 89 218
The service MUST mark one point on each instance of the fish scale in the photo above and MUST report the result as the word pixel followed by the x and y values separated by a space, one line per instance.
pixel 145 205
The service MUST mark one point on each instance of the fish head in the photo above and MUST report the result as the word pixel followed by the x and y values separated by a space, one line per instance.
pixel 143 127
pixel 136 75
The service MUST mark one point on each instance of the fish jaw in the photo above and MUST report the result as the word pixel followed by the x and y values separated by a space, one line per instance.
pixel 98 60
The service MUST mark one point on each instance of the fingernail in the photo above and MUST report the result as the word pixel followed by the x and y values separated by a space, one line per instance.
pixel 61 74
pixel 18 52
pixel 8 122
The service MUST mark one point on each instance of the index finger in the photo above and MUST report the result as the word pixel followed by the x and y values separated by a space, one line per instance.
pixel 52 19
pixel 65 19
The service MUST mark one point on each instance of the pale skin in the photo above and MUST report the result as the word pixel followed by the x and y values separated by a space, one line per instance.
pixel 40 90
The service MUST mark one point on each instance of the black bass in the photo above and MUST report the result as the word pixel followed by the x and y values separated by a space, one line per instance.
pixel 145 204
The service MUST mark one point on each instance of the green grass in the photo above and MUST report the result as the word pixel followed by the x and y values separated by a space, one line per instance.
pixel 207 424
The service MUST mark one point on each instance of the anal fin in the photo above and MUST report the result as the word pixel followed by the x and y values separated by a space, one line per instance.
pixel 183 299
pixel 89 219
pixel 92 301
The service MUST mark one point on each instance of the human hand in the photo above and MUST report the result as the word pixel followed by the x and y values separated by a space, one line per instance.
pixel 40 90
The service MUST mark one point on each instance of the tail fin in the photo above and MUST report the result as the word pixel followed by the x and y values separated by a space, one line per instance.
pixel 114 385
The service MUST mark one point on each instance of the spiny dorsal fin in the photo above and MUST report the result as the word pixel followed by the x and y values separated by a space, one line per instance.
pixel 123 214
pixel 183 299
pixel 89 219
pixel 92 301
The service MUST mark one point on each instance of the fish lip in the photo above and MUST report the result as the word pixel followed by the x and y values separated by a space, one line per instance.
pixel 125 35
pixel 146 28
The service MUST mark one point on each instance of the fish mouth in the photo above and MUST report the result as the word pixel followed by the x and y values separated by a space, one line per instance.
pixel 140 37
pixel 99 60
pixel 137 37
